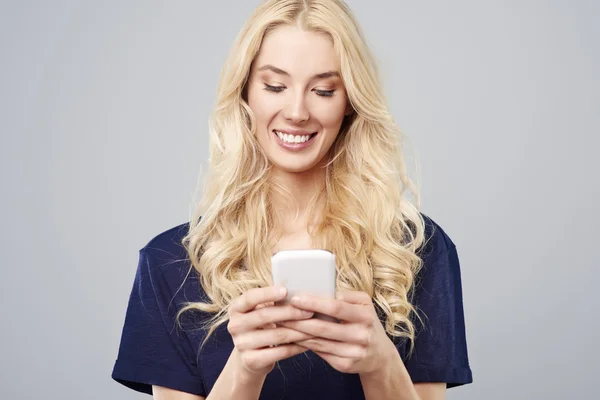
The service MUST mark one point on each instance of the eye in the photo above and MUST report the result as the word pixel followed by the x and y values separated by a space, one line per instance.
pixel 274 88
pixel 324 93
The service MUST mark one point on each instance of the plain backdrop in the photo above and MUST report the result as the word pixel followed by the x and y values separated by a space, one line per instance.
pixel 104 108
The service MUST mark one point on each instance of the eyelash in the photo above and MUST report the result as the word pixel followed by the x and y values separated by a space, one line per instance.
pixel 277 89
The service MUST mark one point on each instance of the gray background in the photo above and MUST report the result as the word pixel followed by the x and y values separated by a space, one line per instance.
pixel 104 110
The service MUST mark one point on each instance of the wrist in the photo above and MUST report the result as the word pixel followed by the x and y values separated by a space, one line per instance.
pixel 242 376
pixel 389 380
pixel 236 382
pixel 385 365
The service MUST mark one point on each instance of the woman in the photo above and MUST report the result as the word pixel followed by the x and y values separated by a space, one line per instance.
pixel 304 154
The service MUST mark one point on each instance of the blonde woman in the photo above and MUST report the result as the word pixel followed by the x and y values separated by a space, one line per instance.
pixel 303 154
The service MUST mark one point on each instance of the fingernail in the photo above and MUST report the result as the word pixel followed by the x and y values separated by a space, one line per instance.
pixel 296 299
pixel 282 291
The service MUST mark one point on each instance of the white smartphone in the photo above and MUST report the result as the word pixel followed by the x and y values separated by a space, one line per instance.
pixel 305 271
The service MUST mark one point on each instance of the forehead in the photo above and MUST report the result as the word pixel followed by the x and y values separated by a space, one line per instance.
pixel 299 52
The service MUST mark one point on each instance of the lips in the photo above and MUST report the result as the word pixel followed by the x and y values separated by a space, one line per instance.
pixel 288 141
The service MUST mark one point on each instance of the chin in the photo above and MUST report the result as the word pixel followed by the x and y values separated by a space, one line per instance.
pixel 293 169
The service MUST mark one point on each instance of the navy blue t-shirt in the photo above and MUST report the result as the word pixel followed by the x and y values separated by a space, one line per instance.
pixel 154 351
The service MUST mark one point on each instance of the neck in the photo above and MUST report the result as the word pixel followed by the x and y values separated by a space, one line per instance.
pixel 292 195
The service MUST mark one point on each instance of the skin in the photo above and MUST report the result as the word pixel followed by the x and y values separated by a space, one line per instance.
pixel 289 96
pixel 359 343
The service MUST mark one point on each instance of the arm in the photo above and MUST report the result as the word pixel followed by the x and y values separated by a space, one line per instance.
pixel 235 383
pixel 163 393
pixel 358 344
pixel 442 360
pixel 394 381
pixel 231 384
pixel 385 384
pixel 258 344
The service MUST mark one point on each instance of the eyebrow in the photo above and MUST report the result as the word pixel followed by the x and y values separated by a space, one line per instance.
pixel 322 75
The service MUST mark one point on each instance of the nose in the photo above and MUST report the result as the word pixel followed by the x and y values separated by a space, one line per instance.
pixel 296 110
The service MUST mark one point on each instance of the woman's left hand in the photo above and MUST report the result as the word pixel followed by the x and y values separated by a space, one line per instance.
pixel 358 344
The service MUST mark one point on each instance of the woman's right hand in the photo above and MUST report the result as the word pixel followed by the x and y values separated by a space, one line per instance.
pixel 259 342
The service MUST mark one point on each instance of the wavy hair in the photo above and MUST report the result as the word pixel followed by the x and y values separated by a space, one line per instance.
pixel 367 222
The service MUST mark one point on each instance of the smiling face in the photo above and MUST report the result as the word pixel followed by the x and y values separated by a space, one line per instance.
pixel 297 96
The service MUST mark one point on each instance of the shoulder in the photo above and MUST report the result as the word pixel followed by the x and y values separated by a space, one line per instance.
pixel 440 347
pixel 157 343
pixel 440 271
pixel 168 243
pixel 437 241
pixel 165 261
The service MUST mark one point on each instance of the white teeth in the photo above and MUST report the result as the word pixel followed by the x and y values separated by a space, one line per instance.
pixel 291 138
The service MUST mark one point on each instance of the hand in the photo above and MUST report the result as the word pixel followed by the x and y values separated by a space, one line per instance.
pixel 259 343
pixel 358 344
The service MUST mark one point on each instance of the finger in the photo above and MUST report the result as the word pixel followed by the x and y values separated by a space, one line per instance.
pixel 271 315
pixel 253 297
pixel 263 305
pixel 333 307
pixel 272 337
pixel 339 349
pixel 341 364
pixel 264 317
pixel 355 297
pixel 352 333
pixel 261 358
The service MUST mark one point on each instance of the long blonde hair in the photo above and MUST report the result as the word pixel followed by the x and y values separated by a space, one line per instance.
pixel 369 225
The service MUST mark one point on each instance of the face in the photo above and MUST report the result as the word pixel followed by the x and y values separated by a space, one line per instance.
pixel 296 94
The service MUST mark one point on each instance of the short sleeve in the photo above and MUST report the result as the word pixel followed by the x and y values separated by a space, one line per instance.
pixel 440 347
pixel 153 350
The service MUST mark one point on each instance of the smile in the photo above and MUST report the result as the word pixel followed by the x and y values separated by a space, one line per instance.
pixel 286 138
pixel 294 142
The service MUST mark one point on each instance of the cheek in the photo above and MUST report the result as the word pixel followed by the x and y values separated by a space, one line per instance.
pixel 262 106
pixel 332 115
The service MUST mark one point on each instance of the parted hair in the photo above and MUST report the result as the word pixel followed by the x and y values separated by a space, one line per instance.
pixel 367 221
